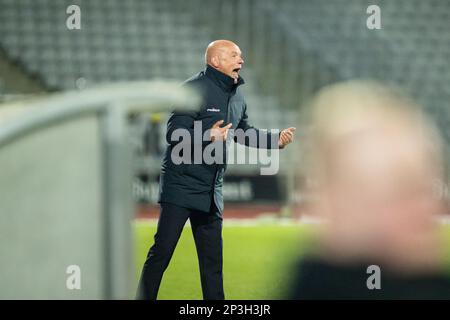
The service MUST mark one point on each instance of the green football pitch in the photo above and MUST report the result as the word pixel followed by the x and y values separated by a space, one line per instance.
pixel 258 260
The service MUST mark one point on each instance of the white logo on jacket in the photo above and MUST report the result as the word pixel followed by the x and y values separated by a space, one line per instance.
pixel 213 110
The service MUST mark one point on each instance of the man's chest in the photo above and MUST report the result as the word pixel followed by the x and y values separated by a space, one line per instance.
pixel 216 106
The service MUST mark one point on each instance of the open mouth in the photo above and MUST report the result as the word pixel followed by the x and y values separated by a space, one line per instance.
pixel 236 72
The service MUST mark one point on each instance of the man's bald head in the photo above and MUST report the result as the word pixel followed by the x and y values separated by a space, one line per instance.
pixel 218 47
pixel 225 56
pixel 375 161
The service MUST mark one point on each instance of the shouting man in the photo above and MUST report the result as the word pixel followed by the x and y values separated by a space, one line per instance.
pixel 192 190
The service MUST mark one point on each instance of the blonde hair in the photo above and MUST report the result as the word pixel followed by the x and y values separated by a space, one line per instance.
pixel 348 108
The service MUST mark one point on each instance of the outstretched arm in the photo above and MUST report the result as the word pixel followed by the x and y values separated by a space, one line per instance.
pixel 257 138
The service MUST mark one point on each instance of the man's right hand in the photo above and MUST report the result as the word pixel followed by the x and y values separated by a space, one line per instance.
pixel 218 133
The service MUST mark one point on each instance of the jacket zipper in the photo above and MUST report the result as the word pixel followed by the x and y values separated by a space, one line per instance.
pixel 225 154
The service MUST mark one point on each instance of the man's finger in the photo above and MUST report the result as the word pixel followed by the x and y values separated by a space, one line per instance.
pixel 217 124
pixel 287 136
pixel 228 126
pixel 283 139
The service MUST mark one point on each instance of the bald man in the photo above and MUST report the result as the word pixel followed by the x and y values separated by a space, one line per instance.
pixel 375 160
pixel 194 191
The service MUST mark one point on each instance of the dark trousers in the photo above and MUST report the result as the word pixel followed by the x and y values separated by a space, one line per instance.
pixel 207 232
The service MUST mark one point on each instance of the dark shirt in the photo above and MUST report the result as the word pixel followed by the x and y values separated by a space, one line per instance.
pixel 320 279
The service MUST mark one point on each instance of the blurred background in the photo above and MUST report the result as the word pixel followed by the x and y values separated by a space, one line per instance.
pixel 291 50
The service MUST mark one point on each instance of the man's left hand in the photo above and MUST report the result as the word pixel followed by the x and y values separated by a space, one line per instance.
pixel 286 137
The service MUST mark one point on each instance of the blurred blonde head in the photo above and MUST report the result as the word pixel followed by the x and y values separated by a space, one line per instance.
pixel 375 161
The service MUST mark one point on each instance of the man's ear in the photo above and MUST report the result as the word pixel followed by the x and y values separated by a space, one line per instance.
pixel 215 61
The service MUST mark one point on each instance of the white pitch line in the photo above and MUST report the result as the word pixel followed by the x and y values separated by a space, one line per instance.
pixel 233 222
pixel 261 221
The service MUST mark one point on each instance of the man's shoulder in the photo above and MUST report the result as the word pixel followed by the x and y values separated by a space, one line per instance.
pixel 240 93
pixel 199 82
pixel 196 79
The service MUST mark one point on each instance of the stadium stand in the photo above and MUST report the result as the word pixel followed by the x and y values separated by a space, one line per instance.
pixel 292 48
pixel 118 41
pixel 411 50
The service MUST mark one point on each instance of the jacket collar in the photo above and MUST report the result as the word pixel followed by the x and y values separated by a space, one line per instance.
pixel 222 80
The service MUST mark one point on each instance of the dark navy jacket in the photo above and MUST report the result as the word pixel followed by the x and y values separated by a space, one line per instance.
pixel 196 185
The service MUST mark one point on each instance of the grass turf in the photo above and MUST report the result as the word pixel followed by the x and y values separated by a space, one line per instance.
pixel 257 260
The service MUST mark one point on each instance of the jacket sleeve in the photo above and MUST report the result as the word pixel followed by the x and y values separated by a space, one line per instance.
pixel 183 120
pixel 253 137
